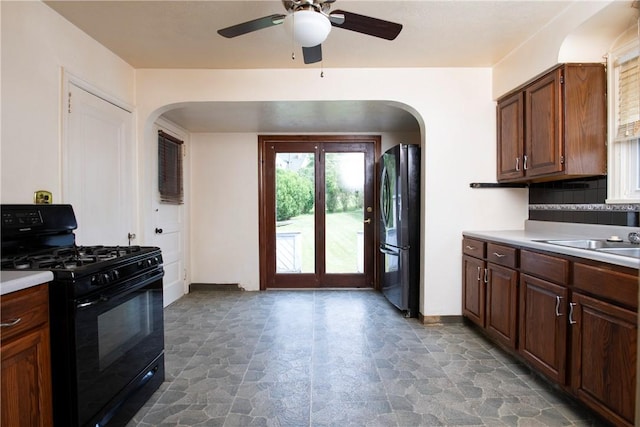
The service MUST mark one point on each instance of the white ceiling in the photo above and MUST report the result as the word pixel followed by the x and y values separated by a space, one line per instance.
pixel 182 34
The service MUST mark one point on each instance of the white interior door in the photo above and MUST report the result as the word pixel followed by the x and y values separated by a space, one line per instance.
pixel 169 226
pixel 98 177
pixel 168 231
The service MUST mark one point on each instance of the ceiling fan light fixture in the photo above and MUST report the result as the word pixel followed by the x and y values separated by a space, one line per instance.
pixel 310 28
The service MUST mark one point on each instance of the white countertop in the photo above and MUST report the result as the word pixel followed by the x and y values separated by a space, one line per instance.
pixel 542 230
pixel 11 281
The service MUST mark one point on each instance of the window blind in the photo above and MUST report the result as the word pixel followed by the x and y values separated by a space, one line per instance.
pixel 628 97
pixel 170 169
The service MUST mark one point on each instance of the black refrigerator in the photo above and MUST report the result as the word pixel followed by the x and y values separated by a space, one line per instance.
pixel 400 227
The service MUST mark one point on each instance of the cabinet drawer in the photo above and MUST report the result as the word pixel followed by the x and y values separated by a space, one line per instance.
pixel 545 266
pixel 606 283
pixel 473 247
pixel 30 305
pixel 503 255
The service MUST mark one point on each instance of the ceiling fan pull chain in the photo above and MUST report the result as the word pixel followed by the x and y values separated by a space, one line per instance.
pixel 321 69
pixel 293 44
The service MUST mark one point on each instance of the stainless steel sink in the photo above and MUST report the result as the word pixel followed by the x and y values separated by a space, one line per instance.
pixel 631 252
pixel 601 245
pixel 592 244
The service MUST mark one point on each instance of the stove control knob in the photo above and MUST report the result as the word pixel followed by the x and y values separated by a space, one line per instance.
pixel 115 275
pixel 101 279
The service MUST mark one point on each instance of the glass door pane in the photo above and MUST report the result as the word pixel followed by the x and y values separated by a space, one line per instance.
pixel 295 205
pixel 344 212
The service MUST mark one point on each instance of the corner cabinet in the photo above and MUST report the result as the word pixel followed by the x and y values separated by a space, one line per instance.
pixel 25 372
pixel 554 127
pixel 571 319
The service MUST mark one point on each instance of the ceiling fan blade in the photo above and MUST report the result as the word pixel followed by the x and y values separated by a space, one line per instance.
pixel 250 26
pixel 336 18
pixel 312 54
pixel 368 25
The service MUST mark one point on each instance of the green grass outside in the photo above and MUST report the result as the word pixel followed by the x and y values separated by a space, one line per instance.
pixel 342 249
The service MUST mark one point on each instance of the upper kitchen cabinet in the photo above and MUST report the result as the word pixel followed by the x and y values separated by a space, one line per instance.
pixel 554 127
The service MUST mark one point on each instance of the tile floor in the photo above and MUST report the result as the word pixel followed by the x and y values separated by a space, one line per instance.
pixel 337 358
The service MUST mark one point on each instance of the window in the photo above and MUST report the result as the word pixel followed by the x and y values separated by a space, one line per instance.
pixel 624 128
pixel 170 169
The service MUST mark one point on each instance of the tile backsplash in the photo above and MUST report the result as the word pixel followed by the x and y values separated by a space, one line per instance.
pixel 580 201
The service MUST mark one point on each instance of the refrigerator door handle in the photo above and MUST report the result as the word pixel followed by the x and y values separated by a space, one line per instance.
pixel 392 250
pixel 387 251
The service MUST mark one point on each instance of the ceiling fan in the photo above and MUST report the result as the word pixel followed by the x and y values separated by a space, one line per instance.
pixel 312 22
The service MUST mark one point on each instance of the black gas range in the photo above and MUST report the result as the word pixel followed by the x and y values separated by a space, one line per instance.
pixel 107 333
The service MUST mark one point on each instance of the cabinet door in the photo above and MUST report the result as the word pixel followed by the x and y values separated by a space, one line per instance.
pixel 502 303
pixel 543 139
pixel 604 352
pixel 510 137
pixel 543 326
pixel 473 292
pixel 26 380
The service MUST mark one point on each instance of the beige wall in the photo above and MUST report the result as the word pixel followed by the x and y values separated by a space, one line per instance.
pixel 581 33
pixel 37 44
pixel 457 119
pixel 225 206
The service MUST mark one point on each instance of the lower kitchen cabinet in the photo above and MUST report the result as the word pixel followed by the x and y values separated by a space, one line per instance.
pixel 490 289
pixel 543 313
pixel 25 373
pixel 502 303
pixel 604 357
pixel 543 326
pixel 574 322
pixel 473 292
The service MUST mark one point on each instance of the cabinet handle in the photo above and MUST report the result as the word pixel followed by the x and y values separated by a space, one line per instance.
pixel 558 299
pixel 479 274
pixel 524 163
pixel 10 322
pixel 571 321
pixel 471 248
pixel 517 164
pixel 486 275
pixel 499 255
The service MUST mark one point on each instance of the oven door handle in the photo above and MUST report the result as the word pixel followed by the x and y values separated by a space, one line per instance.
pixel 99 300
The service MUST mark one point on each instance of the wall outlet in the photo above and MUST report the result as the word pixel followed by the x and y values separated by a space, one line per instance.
pixel 42 197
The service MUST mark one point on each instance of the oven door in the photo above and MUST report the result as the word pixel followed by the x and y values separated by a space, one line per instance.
pixel 117 333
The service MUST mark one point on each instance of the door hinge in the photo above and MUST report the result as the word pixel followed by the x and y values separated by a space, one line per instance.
pixel 561 80
pixel 69 103
pixel 562 160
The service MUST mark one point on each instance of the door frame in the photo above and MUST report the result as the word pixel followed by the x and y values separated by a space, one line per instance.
pixel 263 146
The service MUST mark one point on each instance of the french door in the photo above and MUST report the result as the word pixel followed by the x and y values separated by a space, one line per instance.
pixel 317 211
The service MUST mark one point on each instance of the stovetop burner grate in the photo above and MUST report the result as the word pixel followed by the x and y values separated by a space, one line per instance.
pixel 68 258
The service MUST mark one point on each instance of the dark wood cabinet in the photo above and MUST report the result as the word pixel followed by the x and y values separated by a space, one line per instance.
pixel 604 352
pixel 554 127
pixel 510 118
pixel 544 298
pixel 490 286
pixel 25 373
pixel 473 292
pixel 543 326
pixel 604 330
pixel 574 321
pixel 502 293
pixel 502 303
